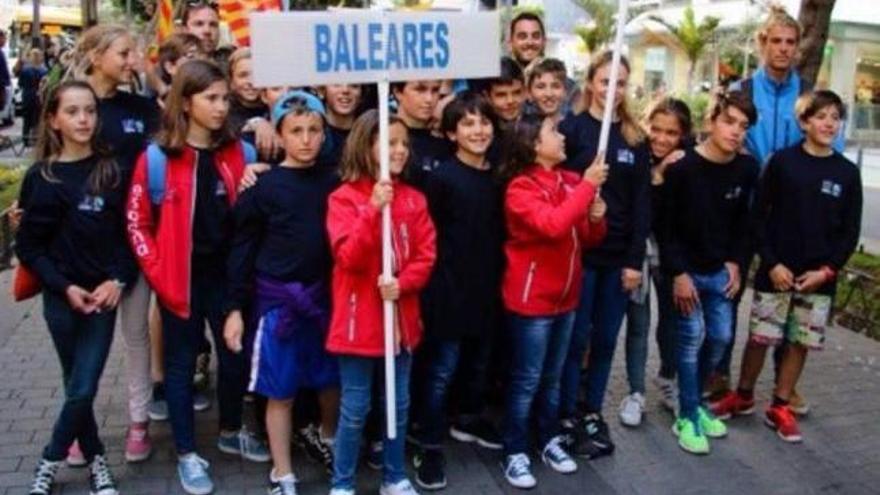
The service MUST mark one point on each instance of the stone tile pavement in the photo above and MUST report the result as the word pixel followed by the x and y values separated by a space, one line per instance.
pixel 840 454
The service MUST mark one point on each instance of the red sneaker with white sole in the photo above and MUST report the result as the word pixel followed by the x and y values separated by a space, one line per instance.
pixel 781 419
pixel 138 446
pixel 732 404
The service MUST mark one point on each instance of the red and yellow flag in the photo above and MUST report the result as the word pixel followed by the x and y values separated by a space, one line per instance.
pixel 235 14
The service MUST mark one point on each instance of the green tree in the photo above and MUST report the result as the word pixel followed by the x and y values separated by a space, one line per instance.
pixel 693 37
pixel 600 30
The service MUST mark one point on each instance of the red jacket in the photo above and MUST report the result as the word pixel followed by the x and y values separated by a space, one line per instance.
pixel 547 222
pixel 354 227
pixel 164 249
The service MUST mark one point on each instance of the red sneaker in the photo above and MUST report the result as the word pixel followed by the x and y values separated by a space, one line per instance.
pixel 138 446
pixel 781 419
pixel 75 457
pixel 731 404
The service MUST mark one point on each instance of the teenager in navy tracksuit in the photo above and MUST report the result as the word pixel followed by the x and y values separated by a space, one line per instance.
pixel 280 261
pixel 613 270
pixel 72 238
pixel 808 214
pixel 461 305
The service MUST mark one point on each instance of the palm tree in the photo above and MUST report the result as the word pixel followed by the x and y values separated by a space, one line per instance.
pixel 815 17
pixel 692 36
pixel 600 30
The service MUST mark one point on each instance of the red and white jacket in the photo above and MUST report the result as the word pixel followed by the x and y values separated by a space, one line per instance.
pixel 546 213
pixel 354 227
pixel 163 246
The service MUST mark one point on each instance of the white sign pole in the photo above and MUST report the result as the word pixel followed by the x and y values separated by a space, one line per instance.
pixel 387 306
pixel 622 6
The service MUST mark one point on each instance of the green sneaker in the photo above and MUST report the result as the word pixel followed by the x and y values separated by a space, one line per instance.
pixel 690 438
pixel 711 426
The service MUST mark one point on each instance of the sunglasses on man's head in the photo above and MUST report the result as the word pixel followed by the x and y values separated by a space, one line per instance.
pixel 192 4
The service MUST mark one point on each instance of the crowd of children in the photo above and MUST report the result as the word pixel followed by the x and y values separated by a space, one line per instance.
pixel 519 249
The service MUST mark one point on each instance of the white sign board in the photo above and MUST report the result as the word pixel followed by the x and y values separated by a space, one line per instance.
pixel 366 46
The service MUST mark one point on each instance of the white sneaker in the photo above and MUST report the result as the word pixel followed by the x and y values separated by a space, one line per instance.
pixel 668 393
pixel 402 487
pixel 341 491
pixel 517 471
pixel 631 409
pixel 557 458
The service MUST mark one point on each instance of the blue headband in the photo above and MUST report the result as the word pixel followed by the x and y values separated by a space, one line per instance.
pixel 293 100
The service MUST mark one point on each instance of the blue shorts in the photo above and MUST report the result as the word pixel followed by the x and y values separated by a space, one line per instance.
pixel 282 361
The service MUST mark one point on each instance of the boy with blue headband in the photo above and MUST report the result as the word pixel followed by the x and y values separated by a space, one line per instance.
pixel 279 269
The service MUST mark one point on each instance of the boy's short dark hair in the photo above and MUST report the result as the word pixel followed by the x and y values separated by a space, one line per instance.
pixel 552 66
pixel 809 104
pixel 737 100
pixel 510 73
pixel 468 102
pixel 527 16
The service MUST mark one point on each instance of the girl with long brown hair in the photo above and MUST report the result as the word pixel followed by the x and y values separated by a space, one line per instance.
pixel 613 270
pixel 105 57
pixel 72 237
pixel 183 257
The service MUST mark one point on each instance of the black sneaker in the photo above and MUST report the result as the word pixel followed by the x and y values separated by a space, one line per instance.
pixel 480 431
pixel 100 478
pixel 576 441
pixel 598 433
pixel 44 477
pixel 317 449
pixel 430 473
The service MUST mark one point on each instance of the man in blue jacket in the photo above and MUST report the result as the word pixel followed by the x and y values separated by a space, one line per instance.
pixel 774 89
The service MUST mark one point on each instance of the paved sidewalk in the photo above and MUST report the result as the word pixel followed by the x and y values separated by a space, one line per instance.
pixel 839 454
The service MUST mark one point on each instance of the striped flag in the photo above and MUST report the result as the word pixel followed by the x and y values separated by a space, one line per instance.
pixel 235 14
pixel 165 22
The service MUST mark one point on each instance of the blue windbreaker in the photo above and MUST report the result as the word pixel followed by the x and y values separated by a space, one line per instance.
pixel 777 125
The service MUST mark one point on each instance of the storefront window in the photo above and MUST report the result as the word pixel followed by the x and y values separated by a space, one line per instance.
pixel 867 94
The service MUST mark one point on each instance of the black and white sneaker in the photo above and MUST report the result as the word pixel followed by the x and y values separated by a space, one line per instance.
pixel 316 448
pixel 576 441
pixel 100 478
pixel 430 469
pixel 44 477
pixel 480 432
pixel 598 433
pixel 286 485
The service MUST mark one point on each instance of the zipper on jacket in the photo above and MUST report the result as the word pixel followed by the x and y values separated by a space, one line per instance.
pixel 192 216
pixel 404 240
pixel 531 275
pixel 352 306
pixel 574 252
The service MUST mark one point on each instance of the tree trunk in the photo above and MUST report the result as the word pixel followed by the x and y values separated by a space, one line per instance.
pixel 815 17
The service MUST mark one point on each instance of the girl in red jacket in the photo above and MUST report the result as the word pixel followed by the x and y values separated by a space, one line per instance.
pixel 180 235
pixel 550 215
pixel 356 325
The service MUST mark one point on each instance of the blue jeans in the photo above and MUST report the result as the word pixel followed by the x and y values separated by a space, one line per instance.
pixel 83 344
pixel 356 375
pixel 597 323
pixel 539 347
pixel 712 320
pixel 182 342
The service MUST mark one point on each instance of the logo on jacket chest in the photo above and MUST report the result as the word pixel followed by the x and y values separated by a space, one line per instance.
pixel 734 192
pixel 831 188
pixel 133 126
pixel 625 156
pixel 220 190
pixel 90 203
